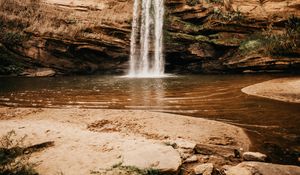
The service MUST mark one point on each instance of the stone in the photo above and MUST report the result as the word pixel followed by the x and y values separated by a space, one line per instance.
pixel 185 153
pixel 42 72
pixel 181 143
pixel 227 39
pixel 45 73
pixel 204 169
pixel 254 156
pixel 202 50
pixel 236 170
pixel 255 168
pixel 224 151
pixel 160 157
pixel 191 159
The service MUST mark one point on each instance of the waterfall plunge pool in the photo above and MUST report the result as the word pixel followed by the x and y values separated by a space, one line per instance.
pixel 272 125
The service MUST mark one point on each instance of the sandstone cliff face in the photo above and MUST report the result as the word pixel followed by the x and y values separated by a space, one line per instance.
pixel 234 35
pixel 201 36
pixel 69 36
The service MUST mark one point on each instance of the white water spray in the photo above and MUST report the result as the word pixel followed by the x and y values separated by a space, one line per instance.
pixel 146 47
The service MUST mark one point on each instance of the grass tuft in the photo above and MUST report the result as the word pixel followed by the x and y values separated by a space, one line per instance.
pixel 14 156
pixel 13 160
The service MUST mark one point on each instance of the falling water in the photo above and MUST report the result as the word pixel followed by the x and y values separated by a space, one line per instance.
pixel 146 47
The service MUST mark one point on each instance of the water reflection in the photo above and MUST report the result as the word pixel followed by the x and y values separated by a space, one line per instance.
pixel 146 93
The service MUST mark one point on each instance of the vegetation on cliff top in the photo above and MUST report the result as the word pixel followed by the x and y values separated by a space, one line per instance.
pixel 280 43
pixel 39 18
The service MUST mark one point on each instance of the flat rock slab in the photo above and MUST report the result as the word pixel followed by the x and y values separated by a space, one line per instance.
pixel 204 169
pixel 254 168
pixel 92 140
pixel 154 156
pixel 283 89
pixel 42 72
pixel 254 156
pixel 78 151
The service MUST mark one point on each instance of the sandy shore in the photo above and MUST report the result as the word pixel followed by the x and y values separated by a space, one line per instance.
pixel 96 140
pixel 283 89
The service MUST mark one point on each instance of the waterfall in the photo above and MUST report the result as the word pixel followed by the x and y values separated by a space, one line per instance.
pixel 146 46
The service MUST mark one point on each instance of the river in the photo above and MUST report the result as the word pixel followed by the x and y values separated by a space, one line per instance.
pixel 273 126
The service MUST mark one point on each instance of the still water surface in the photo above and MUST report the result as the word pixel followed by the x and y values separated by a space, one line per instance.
pixel 216 97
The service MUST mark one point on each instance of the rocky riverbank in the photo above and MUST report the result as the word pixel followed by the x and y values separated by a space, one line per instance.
pixel 209 36
pixel 92 141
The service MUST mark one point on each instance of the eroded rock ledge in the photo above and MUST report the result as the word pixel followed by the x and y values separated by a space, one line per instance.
pixel 83 37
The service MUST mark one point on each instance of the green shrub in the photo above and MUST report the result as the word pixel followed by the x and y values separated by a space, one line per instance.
pixel 192 2
pixel 285 43
pixel 251 45
pixel 227 16
pixel 127 170
pixel 215 1
pixel 273 43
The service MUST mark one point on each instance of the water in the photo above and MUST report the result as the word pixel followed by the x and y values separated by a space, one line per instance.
pixel 146 53
pixel 272 125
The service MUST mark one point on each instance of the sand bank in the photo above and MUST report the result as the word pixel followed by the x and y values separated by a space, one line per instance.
pixel 283 89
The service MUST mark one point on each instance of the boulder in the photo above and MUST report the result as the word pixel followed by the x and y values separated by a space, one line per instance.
pixel 254 168
pixel 254 156
pixel 202 50
pixel 185 153
pixel 191 159
pixel 160 157
pixel 45 73
pixel 181 143
pixel 204 169
pixel 225 151
pixel 42 72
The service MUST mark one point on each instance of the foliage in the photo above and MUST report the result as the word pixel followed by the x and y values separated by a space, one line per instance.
pixel 11 25
pixel 227 16
pixel 192 2
pixel 12 37
pixel 195 2
pixel 127 170
pixel 250 45
pixel 275 43
pixel 284 43
pixel 215 1
pixel 25 8
pixel 8 63
pixel 35 17
pixel 13 159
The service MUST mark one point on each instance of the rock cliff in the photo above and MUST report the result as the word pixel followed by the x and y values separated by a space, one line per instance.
pixel 201 36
